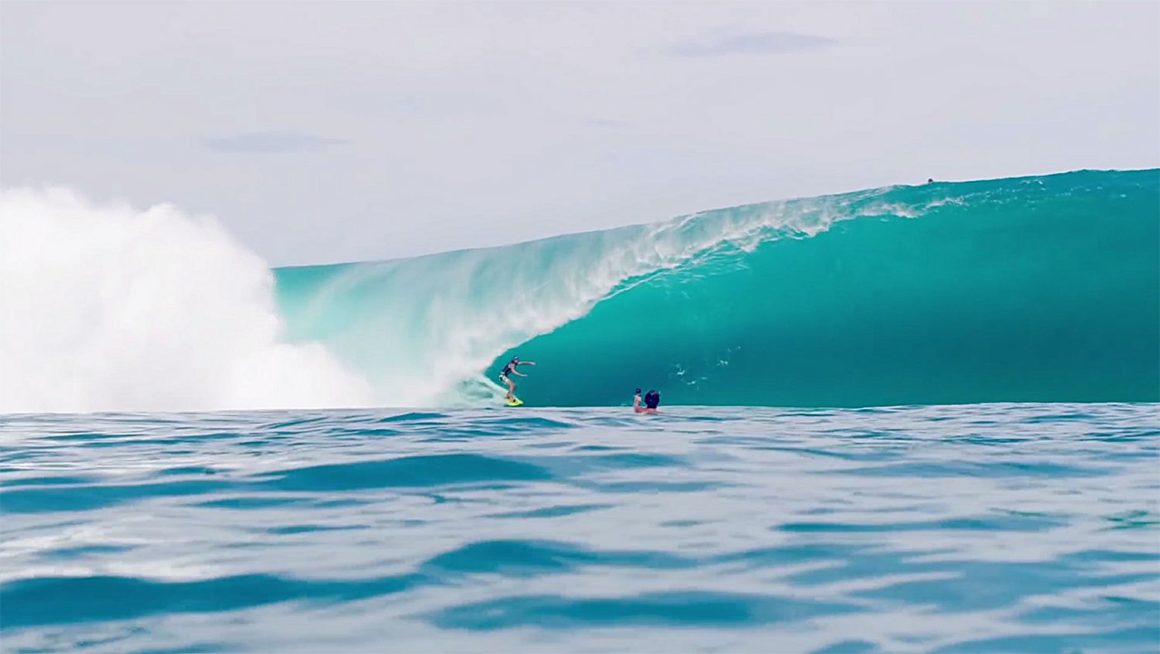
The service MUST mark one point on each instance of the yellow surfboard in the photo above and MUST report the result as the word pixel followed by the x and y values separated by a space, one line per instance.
pixel 515 401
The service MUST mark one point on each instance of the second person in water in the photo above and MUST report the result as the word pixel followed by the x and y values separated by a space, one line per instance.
pixel 652 400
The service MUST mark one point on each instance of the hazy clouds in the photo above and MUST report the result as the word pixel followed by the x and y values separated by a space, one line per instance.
pixel 749 43
pixel 270 142
pixel 329 131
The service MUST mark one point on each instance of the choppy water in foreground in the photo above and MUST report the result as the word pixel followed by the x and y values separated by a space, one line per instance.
pixel 985 528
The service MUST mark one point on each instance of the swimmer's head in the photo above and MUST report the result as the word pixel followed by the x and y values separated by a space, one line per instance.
pixel 652 399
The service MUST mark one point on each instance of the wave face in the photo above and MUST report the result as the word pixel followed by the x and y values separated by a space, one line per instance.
pixel 1026 289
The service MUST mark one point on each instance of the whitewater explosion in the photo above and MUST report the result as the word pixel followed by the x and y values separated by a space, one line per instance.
pixel 106 308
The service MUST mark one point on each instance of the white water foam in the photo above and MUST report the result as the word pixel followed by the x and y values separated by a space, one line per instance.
pixel 106 308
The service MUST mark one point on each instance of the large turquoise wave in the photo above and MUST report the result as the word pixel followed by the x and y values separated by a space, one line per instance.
pixel 1024 289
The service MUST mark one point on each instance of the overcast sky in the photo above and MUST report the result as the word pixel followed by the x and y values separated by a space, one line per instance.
pixel 336 131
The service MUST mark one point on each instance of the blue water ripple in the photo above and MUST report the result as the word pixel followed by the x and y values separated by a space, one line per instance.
pixel 978 528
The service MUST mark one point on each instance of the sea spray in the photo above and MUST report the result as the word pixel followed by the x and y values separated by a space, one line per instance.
pixel 108 308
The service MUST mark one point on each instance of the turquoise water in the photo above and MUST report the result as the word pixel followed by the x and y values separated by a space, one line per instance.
pixel 981 528
pixel 1036 289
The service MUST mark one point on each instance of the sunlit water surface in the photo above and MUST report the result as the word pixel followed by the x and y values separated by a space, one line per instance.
pixel 984 528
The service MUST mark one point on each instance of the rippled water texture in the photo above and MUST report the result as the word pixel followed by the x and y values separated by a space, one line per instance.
pixel 986 528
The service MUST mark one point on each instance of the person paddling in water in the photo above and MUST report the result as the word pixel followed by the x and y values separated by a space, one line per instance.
pixel 652 400
pixel 510 369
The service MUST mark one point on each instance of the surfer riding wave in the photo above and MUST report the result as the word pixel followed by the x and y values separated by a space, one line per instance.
pixel 510 369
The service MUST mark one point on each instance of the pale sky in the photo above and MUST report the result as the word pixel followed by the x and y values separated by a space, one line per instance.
pixel 337 131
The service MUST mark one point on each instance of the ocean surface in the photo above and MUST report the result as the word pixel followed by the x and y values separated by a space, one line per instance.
pixel 971 528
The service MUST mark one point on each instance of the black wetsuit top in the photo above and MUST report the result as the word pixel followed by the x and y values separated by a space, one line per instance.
pixel 510 367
